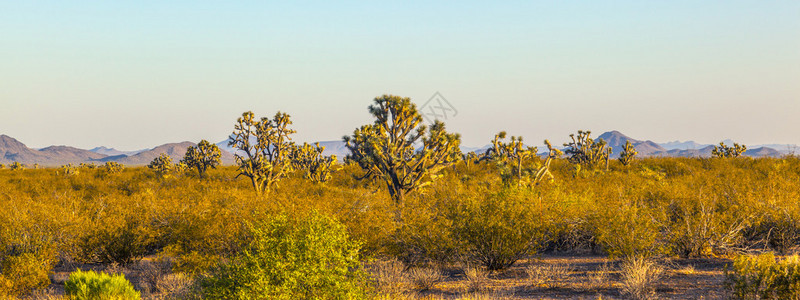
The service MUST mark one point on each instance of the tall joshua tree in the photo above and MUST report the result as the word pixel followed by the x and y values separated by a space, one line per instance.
pixel 386 148
pixel 205 155
pixel 263 148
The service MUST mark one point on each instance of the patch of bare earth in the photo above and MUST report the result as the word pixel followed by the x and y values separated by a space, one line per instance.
pixel 574 277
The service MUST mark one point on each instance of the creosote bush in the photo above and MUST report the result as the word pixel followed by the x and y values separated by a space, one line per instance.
pixel 498 230
pixel 291 258
pixel 764 277
pixel 19 274
pixel 90 285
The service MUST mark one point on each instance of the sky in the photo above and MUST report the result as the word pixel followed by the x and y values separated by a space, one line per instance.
pixel 137 74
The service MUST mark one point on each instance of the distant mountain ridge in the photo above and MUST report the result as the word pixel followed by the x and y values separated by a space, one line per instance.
pixel 681 145
pixel 12 150
pixel 114 152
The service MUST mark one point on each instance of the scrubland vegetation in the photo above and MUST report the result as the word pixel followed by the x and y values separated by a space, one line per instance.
pixel 656 208
pixel 472 227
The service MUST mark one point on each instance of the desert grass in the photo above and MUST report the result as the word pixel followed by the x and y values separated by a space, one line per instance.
pixel 548 275
pixel 639 276
pixel 425 278
pixel 477 279
pixel 389 277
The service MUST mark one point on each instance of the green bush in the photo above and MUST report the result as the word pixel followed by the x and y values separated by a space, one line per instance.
pixel 90 285
pixel 302 258
pixel 764 277
pixel 498 230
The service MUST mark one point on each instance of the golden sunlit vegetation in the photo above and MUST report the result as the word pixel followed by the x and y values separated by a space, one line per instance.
pixel 665 207
pixel 391 219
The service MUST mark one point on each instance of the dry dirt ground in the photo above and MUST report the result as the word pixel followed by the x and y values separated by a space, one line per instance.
pixel 542 277
pixel 577 277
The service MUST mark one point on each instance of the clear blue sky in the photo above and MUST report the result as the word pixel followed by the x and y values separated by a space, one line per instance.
pixel 136 74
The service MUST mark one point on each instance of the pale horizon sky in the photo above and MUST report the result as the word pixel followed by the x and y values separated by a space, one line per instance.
pixel 137 74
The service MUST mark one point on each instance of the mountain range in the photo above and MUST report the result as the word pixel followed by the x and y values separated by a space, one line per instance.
pixel 12 150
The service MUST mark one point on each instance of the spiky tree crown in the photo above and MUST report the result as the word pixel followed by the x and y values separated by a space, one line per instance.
pixel 205 155
pixel 386 148
pixel 268 160
pixel 583 150
pixel 725 151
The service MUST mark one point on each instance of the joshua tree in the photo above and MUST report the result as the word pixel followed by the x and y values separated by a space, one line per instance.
pixel 161 164
pixel 510 155
pixel 469 158
pixel 585 151
pixel 724 151
pixel 628 153
pixel 513 154
pixel 386 148
pixel 205 155
pixel 112 167
pixel 69 170
pixel 17 166
pixel 318 168
pixel 265 148
pixel 544 170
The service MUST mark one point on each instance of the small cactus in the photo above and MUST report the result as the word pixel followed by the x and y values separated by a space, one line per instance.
pixel 724 151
